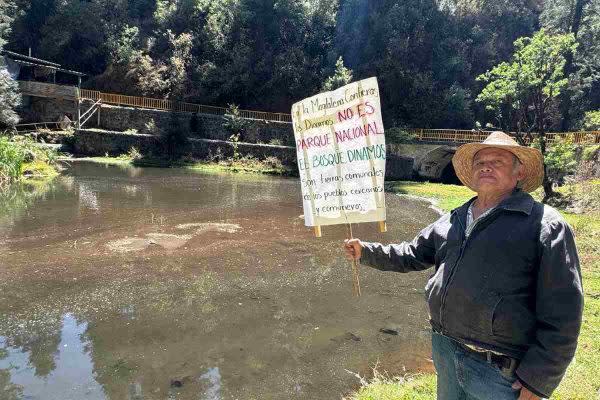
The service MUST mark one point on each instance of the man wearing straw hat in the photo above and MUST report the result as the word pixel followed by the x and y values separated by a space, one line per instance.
pixel 505 299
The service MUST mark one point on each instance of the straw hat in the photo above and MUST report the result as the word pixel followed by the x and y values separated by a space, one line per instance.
pixel 533 165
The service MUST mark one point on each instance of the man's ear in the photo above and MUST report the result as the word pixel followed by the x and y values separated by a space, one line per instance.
pixel 520 172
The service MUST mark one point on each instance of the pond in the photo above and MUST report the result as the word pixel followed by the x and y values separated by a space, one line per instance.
pixel 124 283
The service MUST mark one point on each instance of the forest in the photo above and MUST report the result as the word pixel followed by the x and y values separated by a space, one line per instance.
pixel 430 56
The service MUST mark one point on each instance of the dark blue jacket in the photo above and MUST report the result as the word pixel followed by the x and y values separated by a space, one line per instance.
pixel 513 285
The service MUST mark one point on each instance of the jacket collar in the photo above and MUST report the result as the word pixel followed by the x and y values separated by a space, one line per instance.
pixel 519 201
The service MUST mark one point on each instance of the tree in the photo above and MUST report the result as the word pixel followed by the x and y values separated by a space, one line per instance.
pixel 528 86
pixel 592 120
pixel 9 93
pixel 342 76
pixel 582 19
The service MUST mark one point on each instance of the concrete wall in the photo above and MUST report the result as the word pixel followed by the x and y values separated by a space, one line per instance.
pixel 92 142
pixel 433 164
pixel 40 109
pixel 97 143
pixel 430 161
pixel 116 118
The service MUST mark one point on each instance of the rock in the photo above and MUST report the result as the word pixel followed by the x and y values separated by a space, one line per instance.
pixel 180 381
pixel 390 330
pixel 348 336
pixel 352 336
pixel 176 383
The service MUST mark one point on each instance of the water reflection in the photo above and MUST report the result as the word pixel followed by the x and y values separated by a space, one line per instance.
pixel 169 284
pixel 213 389
pixel 60 370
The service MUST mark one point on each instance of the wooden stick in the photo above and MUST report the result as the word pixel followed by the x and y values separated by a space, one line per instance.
pixel 355 278
pixel 317 230
pixel 382 226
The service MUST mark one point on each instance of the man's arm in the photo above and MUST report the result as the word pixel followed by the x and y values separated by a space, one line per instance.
pixel 559 307
pixel 404 257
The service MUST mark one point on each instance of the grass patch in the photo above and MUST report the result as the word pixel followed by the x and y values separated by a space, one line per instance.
pixel 39 169
pixel 22 157
pixel 270 166
pixel 581 380
pixel 446 197
pixel 381 387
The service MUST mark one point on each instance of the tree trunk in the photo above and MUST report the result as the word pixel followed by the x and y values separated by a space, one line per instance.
pixel 546 183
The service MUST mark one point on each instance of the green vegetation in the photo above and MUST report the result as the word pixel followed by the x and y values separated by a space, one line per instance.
pixel 397 135
pixel 560 159
pixel 234 123
pixel 267 55
pixel 445 197
pixel 521 92
pixel 245 164
pixel 341 76
pixel 22 157
pixel 580 382
pixel 380 387
pixel 270 165
pixel 9 93
pixel 592 120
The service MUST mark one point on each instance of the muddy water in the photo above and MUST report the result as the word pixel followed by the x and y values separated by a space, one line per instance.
pixel 127 283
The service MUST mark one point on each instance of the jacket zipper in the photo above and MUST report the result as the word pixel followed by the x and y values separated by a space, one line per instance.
pixel 454 267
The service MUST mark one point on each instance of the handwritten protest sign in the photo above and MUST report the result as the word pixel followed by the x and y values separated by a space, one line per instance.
pixel 341 155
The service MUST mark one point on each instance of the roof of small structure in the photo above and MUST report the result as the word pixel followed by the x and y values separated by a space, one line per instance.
pixel 38 62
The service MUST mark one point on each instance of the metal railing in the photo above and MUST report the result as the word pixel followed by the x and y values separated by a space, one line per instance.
pixel 171 105
pixel 468 136
pixel 424 135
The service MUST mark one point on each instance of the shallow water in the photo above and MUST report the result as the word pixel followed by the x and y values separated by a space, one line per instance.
pixel 129 283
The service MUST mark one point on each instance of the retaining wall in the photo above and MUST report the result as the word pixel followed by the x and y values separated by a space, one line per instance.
pixel 116 118
pixel 91 142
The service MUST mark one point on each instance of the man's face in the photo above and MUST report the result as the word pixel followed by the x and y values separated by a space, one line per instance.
pixel 495 170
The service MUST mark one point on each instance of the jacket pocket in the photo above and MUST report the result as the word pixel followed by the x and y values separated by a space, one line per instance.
pixel 512 318
pixel 429 286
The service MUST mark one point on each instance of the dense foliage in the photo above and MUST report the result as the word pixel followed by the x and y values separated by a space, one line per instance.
pixel 9 96
pixel 21 156
pixel 267 54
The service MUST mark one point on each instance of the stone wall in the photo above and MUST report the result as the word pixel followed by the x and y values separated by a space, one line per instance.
pixel 89 142
pixel 117 118
pixel 92 142
pixel 404 161
pixel 40 109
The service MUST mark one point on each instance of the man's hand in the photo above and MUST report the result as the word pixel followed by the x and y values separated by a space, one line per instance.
pixel 353 248
pixel 525 394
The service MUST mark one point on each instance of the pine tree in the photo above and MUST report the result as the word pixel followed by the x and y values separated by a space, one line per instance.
pixel 9 94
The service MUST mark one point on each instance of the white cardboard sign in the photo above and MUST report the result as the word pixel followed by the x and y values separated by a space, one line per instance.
pixel 340 147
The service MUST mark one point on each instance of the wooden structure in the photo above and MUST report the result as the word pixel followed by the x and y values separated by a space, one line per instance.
pixel 468 136
pixel 37 126
pixel 27 68
pixel 173 105
pixel 48 90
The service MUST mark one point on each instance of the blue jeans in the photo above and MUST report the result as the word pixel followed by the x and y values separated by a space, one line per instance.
pixel 462 376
